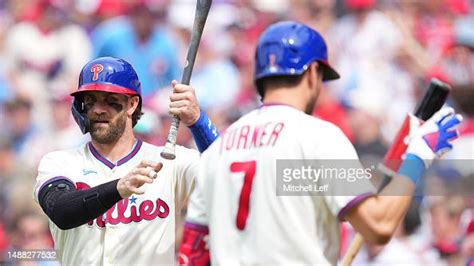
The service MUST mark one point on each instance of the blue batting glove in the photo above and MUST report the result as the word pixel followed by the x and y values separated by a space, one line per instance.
pixel 433 138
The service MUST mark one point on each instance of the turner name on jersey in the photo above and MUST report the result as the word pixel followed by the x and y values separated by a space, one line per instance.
pixel 251 136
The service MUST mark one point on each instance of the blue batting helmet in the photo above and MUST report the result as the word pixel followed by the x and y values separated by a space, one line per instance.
pixel 106 74
pixel 288 48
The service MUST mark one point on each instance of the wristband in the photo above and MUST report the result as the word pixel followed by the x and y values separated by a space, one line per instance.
pixel 193 250
pixel 204 132
pixel 412 167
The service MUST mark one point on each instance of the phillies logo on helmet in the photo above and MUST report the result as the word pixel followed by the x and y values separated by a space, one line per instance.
pixel 96 69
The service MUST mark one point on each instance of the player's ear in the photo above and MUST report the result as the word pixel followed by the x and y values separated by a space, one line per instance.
pixel 313 74
pixel 133 104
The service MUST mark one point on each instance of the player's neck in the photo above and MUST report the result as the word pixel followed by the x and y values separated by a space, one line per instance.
pixel 285 96
pixel 118 149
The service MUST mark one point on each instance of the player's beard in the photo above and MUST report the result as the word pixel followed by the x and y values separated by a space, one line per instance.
pixel 107 133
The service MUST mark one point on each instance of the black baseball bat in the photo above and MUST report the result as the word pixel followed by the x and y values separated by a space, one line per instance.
pixel 200 17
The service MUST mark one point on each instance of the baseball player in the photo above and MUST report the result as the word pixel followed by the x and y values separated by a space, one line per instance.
pixel 235 207
pixel 114 200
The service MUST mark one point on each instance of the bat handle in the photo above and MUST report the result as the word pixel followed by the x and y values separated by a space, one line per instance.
pixel 169 151
pixel 353 249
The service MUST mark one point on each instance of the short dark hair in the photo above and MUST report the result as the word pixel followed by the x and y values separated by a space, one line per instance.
pixel 137 115
pixel 277 81
pixel 281 81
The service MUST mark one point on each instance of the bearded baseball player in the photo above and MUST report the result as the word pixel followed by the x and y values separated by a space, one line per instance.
pixel 234 210
pixel 114 200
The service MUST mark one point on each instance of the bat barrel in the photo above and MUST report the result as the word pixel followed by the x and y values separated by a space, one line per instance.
pixel 202 10
pixel 433 100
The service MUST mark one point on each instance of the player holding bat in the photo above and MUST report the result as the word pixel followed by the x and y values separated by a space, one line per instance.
pixel 114 200
pixel 234 205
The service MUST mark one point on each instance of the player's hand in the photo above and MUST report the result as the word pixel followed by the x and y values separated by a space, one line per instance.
pixel 133 182
pixel 433 138
pixel 184 103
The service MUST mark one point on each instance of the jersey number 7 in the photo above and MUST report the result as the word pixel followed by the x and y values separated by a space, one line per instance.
pixel 248 168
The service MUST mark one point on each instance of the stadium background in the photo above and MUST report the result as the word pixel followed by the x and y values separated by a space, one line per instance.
pixel 386 52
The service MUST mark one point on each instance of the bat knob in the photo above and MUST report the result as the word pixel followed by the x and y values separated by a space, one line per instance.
pixel 168 151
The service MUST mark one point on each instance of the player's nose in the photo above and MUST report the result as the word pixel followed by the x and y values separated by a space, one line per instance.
pixel 99 108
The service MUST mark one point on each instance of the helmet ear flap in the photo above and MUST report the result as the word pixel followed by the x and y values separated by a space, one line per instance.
pixel 77 110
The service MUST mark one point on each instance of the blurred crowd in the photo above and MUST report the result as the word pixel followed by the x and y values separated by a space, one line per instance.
pixel 385 50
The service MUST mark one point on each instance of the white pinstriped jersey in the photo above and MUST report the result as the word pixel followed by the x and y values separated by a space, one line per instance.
pixel 139 230
pixel 235 192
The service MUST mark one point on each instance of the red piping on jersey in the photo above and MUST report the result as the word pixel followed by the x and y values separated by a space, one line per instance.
pixel 125 159
pixel 352 204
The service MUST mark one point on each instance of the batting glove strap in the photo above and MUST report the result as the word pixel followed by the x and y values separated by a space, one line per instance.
pixel 413 167
pixel 432 139
pixel 204 132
